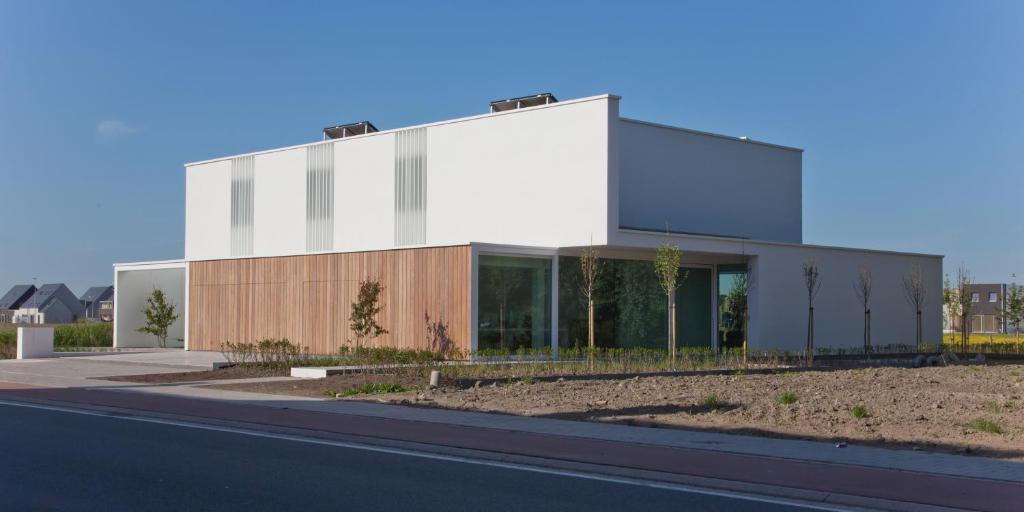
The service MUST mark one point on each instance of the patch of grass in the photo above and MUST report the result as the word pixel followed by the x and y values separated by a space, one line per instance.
pixel 984 425
pixel 787 398
pixel 712 401
pixel 859 412
pixel 374 388
pixel 525 380
pixel 993 407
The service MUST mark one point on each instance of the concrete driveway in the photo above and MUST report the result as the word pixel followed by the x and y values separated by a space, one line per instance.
pixel 78 369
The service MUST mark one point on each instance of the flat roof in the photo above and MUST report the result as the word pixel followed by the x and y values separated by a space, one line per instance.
pixel 710 134
pixel 748 241
pixel 426 125
pixel 492 114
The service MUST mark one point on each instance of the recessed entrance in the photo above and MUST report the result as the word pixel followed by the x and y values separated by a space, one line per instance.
pixel 693 309
pixel 732 303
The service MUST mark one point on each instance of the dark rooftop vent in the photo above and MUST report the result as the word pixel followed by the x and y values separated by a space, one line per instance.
pixel 525 101
pixel 348 130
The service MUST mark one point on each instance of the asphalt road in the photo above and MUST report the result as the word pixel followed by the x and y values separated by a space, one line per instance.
pixel 55 460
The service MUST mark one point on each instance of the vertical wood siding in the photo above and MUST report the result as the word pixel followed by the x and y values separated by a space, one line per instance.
pixel 307 299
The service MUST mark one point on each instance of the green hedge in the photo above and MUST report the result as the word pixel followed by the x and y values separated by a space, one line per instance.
pixel 68 335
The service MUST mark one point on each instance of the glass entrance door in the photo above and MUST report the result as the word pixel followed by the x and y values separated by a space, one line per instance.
pixel 732 302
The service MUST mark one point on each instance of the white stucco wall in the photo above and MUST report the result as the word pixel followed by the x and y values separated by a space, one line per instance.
pixel 364 191
pixel 708 184
pixel 537 176
pixel 208 210
pixel 778 300
pixel 278 220
pixel 133 284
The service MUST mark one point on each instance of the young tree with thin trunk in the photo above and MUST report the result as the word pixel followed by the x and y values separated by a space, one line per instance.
pixel 160 315
pixel 863 290
pixel 590 271
pixel 363 320
pixel 666 264
pixel 950 306
pixel 1013 311
pixel 964 282
pixel 738 304
pixel 916 292
pixel 812 281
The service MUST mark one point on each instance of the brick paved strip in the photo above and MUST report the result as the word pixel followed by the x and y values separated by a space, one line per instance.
pixel 886 484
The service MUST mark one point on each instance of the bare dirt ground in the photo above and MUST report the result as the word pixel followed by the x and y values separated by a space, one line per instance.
pixel 924 408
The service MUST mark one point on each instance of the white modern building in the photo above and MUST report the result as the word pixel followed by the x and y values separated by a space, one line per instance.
pixel 477 222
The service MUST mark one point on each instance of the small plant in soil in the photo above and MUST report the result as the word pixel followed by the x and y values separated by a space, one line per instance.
pixel 859 412
pixel 712 401
pixel 983 425
pixel 993 407
pixel 787 398
pixel 374 388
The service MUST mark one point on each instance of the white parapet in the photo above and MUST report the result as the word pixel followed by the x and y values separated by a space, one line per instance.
pixel 35 342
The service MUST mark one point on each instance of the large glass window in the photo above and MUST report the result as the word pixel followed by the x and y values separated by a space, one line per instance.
pixel 629 306
pixel 630 309
pixel 514 300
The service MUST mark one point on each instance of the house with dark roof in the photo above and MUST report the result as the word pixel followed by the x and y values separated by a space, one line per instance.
pixel 13 299
pixel 93 298
pixel 50 304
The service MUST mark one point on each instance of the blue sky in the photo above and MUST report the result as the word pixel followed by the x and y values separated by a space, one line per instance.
pixel 911 113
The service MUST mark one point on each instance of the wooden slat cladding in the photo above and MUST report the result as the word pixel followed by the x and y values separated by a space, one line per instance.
pixel 307 299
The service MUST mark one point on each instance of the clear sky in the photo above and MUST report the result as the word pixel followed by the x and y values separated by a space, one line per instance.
pixel 911 113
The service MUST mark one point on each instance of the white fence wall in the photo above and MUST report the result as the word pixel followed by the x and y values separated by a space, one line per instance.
pixel 132 286
pixel 778 301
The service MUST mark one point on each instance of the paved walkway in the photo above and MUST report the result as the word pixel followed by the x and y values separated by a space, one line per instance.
pixel 79 369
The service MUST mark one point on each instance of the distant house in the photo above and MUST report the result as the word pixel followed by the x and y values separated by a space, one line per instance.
pixel 105 311
pixel 50 304
pixel 93 298
pixel 987 303
pixel 13 299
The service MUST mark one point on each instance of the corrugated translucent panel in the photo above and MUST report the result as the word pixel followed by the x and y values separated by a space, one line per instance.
pixel 411 187
pixel 320 197
pixel 243 174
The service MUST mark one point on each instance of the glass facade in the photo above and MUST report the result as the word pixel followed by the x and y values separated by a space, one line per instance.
pixel 630 309
pixel 514 302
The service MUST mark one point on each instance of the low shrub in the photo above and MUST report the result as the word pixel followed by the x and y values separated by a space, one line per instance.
pixel 859 411
pixel 374 388
pixel 787 398
pixel 712 401
pixel 267 352
pixel 65 336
